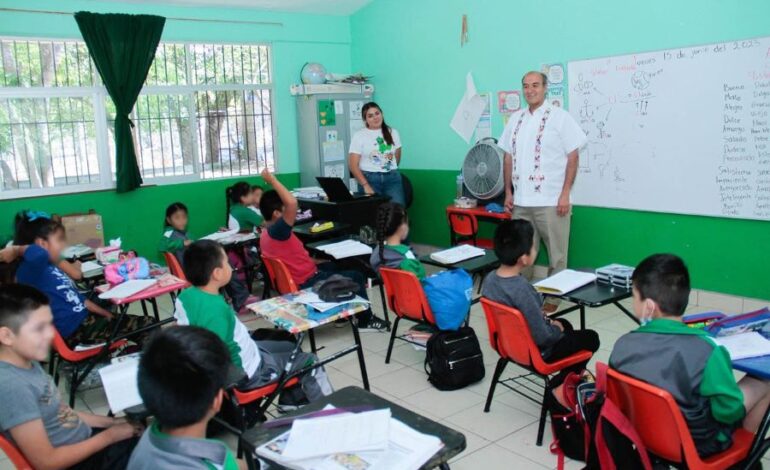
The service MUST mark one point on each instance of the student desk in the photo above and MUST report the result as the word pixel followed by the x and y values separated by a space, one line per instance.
pixel 480 212
pixel 478 266
pixel 596 294
pixel 167 284
pixel 356 212
pixel 293 317
pixel 304 233
pixel 454 441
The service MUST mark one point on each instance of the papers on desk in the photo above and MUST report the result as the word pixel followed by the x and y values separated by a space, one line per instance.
pixel 218 236
pixel 127 289
pixel 120 385
pixel 373 441
pixel 91 269
pixel 346 249
pixel 311 299
pixel 311 192
pixel 457 254
pixel 745 345
pixel 564 282
pixel 76 251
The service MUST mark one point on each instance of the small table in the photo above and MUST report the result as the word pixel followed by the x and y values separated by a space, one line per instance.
pixel 454 441
pixel 596 294
pixel 293 317
pixel 478 266
pixel 167 284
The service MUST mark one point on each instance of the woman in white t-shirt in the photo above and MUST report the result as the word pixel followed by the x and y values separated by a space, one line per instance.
pixel 375 153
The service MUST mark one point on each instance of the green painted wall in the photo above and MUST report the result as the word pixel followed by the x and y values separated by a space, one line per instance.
pixel 413 50
pixel 137 216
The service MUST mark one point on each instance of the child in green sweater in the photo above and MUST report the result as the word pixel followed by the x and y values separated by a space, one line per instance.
pixel 392 230
pixel 239 215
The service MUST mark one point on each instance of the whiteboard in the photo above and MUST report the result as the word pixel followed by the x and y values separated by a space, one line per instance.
pixel 682 130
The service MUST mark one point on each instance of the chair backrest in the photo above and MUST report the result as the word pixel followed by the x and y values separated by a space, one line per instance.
pixel 405 295
pixel 655 415
pixel 462 223
pixel 509 334
pixel 62 348
pixel 14 454
pixel 173 265
pixel 279 275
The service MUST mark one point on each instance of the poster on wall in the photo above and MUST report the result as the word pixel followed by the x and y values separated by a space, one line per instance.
pixel 326 113
pixel 484 126
pixel 555 96
pixel 508 102
pixel 557 82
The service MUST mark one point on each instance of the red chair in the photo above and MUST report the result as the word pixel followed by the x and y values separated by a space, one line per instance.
pixel 659 422
pixel 464 229
pixel 83 361
pixel 509 335
pixel 14 454
pixel 173 265
pixel 406 298
pixel 255 397
pixel 280 276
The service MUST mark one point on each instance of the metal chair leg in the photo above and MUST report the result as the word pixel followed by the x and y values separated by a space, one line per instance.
pixel 499 368
pixel 543 412
pixel 392 339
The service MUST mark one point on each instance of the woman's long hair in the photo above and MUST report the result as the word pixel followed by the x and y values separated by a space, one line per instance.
pixel 386 134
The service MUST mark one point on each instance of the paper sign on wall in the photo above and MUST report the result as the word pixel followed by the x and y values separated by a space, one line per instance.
pixel 335 171
pixel 468 112
pixel 339 107
pixel 555 73
pixel 333 150
pixel 326 115
pixel 484 126
pixel 355 109
pixel 508 102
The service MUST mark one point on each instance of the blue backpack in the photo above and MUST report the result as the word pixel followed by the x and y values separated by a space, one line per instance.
pixel 449 295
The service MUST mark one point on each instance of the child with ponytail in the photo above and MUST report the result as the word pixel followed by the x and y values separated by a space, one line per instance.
pixel 239 217
pixel 392 230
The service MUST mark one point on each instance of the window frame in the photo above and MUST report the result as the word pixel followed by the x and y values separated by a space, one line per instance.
pixel 98 94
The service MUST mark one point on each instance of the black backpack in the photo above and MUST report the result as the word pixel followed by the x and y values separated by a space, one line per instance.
pixel 453 359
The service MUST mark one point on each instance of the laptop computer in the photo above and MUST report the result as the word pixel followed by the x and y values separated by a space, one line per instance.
pixel 336 190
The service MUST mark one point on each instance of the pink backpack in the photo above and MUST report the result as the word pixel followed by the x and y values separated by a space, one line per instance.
pixel 128 267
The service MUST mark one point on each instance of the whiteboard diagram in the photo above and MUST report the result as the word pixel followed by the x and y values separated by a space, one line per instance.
pixel 683 130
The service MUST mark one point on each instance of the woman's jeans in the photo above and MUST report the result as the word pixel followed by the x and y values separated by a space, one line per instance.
pixel 387 184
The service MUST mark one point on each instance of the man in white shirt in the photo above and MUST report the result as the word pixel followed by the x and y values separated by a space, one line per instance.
pixel 541 144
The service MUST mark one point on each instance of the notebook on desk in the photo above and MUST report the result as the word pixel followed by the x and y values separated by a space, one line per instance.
pixel 456 254
pixel 564 282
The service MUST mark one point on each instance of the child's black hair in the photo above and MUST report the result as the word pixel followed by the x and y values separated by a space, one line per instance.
pixel 664 278
pixel 180 373
pixel 270 203
pixel 200 259
pixel 233 195
pixel 390 216
pixel 17 301
pixel 513 238
pixel 173 209
pixel 31 225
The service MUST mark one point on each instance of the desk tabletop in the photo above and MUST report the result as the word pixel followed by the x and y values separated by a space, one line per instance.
pixel 475 265
pixel 303 230
pixel 480 211
pixel 293 316
pixel 454 441
pixel 596 294
pixel 166 283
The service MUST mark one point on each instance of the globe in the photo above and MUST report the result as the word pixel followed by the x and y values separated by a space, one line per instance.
pixel 313 74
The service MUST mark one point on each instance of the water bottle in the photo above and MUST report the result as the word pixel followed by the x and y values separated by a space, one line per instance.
pixel 459 185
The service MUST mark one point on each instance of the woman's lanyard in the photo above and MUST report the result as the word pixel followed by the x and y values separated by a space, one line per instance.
pixel 537 176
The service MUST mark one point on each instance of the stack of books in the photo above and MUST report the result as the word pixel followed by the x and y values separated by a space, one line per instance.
pixel 615 274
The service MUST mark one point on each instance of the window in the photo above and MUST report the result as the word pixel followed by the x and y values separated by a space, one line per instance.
pixel 205 112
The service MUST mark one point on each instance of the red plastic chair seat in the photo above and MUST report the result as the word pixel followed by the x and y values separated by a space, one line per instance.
pixel 244 397
pixel 70 355
pixel 662 427
pixel 14 454
pixel 549 368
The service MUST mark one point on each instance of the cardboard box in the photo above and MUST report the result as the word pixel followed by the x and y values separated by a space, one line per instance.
pixel 84 228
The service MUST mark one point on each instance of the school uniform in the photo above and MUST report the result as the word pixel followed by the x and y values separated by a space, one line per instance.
pixel 694 369
pixel 244 219
pixel 160 451
pixel 397 257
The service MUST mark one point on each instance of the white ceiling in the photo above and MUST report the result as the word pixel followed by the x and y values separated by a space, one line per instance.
pixel 321 7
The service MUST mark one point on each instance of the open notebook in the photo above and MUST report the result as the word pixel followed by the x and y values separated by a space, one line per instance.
pixel 457 254
pixel 564 282
pixel 119 381
pixel 745 345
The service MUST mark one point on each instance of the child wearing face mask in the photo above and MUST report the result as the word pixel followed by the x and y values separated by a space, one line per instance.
pixel 685 361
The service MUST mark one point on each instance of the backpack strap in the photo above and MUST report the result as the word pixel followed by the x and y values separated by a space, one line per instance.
pixel 555 449
pixel 610 413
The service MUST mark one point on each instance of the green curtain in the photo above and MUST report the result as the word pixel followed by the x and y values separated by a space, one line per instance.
pixel 123 48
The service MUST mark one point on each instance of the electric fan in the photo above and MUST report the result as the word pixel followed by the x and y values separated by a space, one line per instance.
pixel 483 170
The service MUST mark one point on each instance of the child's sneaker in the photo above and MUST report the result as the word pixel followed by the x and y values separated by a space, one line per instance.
pixel 292 399
pixel 373 325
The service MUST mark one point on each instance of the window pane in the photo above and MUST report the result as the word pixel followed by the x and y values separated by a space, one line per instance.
pixel 235 132
pixel 47 142
pixel 165 146
pixel 48 64
pixel 169 66
pixel 230 63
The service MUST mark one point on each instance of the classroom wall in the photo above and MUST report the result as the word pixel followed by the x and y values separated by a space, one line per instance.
pixel 136 216
pixel 413 50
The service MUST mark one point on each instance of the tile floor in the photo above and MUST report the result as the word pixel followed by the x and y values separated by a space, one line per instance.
pixel 501 439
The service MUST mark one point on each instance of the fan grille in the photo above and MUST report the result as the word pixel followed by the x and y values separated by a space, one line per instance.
pixel 483 170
